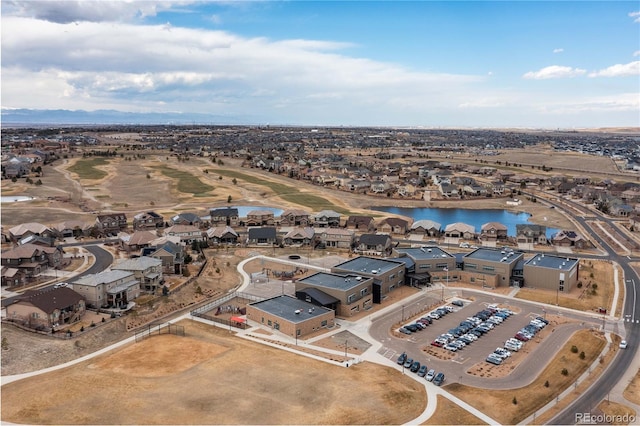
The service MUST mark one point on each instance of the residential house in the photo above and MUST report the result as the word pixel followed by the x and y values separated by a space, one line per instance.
pixel 448 190
pixel 358 185
pixel 260 218
pixel 262 236
pixel 394 225
pixel 531 234
pixel 299 237
pixel 295 217
pixel 110 224
pixel 426 227
pixel 137 241
pixel 171 255
pixel 72 229
pixel 222 235
pixel 474 190
pixel 460 230
pixel 566 238
pixel 32 228
pixel 187 233
pixel 187 219
pixel 327 219
pixel 147 270
pixel 147 220
pixel 226 216
pixel 361 223
pixel 12 277
pixel 498 188
pixel 32 259
pixel 493 231
pixel 335 238
pixel 108 289
pixel 47 308
pixel 374 244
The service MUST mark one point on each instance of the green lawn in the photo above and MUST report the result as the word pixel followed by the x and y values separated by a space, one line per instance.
pixel 86 168
pixel 186 182
pixel 286 192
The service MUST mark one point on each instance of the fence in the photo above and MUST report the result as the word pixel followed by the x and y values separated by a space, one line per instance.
pixel 167 328
pixel 209 310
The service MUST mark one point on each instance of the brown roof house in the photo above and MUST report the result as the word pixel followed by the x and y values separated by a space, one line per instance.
pixel 110 223
pixel 394 225
pixel 374 244
pixel 361 223
pixel 32 259
pixel 493 231
pixel 47 308
pixel 299 237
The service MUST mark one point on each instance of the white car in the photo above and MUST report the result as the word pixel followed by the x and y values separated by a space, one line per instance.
pixel 623 344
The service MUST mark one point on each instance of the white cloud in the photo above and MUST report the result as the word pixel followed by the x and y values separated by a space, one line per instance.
pixel 558 50
pixel 624 102
pixel 618 70
pixel 635 16
pixel 636 53
pixel 554 71
pixel 66 11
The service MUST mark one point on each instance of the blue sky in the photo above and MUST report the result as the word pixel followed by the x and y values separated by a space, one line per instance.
pixel 540 64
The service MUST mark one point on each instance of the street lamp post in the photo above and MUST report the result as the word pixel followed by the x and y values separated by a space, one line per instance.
pixel 446 269
pixel 402 312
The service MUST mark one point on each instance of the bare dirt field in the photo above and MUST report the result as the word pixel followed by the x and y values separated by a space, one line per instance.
pixel 211 377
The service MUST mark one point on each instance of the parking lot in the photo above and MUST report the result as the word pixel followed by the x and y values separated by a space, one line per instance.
pixel 453 363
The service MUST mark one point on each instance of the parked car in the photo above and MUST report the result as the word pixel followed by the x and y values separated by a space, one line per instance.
pixel 458 303
pixel 408 362
pixel 439 379
pixel 402 358
pixel 430 375
pixel 623 344
pixel 415 366
pixel 493 359
pixel 405 331
pixel 422 371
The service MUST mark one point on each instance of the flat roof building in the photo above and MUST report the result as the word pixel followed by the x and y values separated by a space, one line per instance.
pixel 428 262
pixel 551 272
pixel 354 293
pixel 290 316
pixel 497 263
pixel 387 274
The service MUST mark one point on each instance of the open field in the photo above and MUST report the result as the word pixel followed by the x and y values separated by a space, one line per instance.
pixel 217 379
pixel 618 411
pixel 500 403
pixel 632 392
pixel 450 413
pixel 89 168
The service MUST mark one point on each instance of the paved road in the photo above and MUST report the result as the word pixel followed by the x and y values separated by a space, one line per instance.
pixel 103 259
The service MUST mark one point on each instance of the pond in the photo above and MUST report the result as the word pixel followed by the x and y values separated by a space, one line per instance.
pixel 474 217
pixel 15 198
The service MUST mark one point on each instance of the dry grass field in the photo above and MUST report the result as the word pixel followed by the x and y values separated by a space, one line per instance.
pixel 450 413
pixel 632 392
pixel 211 377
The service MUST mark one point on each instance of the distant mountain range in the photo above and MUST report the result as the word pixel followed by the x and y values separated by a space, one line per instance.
pixel 40 117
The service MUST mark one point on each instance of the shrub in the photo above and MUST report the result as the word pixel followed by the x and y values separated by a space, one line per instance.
pixel 574 349
pixel 579 285
pixel 594 286
pixel 564 372
pixel 82 328
pixel 5 344
pixel 546 384
pixel 582 355
pixel 514 400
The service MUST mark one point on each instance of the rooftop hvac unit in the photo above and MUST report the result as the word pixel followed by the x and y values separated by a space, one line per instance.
pixel 297 311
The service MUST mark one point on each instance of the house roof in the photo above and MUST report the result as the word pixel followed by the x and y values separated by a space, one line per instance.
pixel 262 232
pixel 104 277
pixel 461 227
pixel 426 224
pixel 188 217
pixel 72 224
pixel 179 229
pixel 225 212
pixel 494 225
pixel 50 299
pixel 395 221
pixel 305 232
pixel 137 263
pixel 25 251
pixel 365 220
pixel 220 231
pixel 141 237
pixel 33 227
pixel 260 213
pixel 374 239
pixel 327 213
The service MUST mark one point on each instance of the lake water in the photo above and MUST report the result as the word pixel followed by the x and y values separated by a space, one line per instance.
pixel 473 217
pixel 15 198
pixel 244 210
